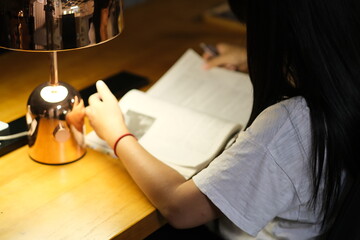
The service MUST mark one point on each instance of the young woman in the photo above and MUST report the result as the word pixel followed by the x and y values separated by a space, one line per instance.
pixel 288 173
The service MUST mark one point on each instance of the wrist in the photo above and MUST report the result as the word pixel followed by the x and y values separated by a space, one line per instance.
pixel 114 134
pixel 120 138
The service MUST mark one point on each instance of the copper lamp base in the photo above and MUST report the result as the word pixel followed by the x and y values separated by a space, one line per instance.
pixel 55 118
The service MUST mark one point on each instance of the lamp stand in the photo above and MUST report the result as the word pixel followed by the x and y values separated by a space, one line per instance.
pixel 54 79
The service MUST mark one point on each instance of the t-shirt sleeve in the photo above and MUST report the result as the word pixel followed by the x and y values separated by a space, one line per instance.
pixel 245 182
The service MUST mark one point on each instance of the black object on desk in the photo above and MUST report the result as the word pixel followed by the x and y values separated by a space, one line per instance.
pixel 119 84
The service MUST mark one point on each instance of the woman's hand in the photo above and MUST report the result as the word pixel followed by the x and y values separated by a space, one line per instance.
pixel 105 114
pixel 230 56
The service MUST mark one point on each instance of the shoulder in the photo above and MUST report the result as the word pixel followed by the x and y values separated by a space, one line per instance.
pixel 290 115
pixel 283 130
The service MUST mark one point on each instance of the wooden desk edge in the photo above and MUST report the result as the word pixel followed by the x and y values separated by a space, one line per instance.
pixel 143 228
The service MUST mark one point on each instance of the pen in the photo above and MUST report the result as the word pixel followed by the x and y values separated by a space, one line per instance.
pixel 209 49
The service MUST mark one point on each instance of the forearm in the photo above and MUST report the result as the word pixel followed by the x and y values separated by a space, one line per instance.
pixel 155 179
pixel 170 193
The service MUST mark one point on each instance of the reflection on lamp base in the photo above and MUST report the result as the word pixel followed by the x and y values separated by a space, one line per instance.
pixel 55 119
pixel 54 144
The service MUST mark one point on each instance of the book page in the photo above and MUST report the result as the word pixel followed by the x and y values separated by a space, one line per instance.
pixel 175 134
pixel 184 139
pixel 218 92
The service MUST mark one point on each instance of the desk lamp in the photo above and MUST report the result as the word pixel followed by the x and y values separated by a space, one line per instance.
pixel 54 115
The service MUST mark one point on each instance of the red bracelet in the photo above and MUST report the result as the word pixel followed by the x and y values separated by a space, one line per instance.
pixel 118 140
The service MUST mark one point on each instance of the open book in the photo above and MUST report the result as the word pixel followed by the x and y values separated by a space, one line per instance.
pixel 189 116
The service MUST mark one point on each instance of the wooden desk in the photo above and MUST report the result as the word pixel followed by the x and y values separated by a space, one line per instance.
pixel 93 198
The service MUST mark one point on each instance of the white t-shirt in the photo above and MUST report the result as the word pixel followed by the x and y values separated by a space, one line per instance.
pixel 262 183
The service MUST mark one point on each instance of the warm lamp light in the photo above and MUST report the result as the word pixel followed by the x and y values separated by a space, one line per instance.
pixel 54 110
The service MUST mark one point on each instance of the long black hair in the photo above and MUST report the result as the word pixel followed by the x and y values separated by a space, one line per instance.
pixel 311 48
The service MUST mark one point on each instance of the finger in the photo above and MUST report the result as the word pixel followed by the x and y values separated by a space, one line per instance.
pixel 206 56
pixel 243 68
pixel 88 111
pixel 222 47
pixel 230 67
pixel 104 91
pixel 216 62
pixel 94 98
